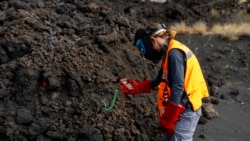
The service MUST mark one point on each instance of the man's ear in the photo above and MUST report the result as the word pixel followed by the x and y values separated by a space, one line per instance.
pixel 153 40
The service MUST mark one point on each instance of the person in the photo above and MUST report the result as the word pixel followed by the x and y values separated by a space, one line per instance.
pixel 180 81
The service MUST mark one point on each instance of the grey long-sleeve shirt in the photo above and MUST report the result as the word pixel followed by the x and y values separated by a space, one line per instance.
pixel 177 66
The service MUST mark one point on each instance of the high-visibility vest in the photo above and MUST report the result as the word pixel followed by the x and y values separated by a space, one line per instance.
pixel 194 83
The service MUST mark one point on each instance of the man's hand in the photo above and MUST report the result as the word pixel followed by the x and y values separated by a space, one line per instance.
pixel 130 86
pixel 170 116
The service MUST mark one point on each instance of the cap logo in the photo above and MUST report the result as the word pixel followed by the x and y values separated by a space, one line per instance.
pixel 141 46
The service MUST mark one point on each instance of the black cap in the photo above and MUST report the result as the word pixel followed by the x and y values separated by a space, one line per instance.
pixel 150 53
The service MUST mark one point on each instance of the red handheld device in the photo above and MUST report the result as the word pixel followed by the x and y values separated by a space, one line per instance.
pixel 125 83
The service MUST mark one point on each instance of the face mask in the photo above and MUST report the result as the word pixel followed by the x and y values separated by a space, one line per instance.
pixel 165 46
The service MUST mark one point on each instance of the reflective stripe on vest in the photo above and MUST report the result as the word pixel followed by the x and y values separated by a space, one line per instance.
pixel 188 55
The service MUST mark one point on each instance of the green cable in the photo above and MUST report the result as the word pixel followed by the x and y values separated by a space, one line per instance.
pixel 112 103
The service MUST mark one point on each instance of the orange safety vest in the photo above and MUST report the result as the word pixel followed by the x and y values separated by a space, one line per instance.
pixel 194 83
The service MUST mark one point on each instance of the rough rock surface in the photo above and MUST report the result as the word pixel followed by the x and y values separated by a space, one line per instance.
pixel 60 59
